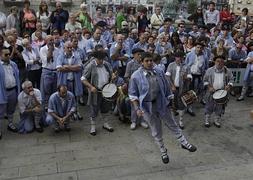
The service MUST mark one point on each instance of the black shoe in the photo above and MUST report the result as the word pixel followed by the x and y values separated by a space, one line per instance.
pixel 191 112
pixel 207 125
pixel 74 117
pixel 189 147
pixel 39 129
pixel 79 117
pixel 5 117
pixel 57 130
pixel 1 135
pixel 93 133
pixel 232 93
pixel 110 129
pixel 165 158
pixel 81 102
pixel 217 125
pixel 12 128
pixel 67 127
pixel 202 102
pixel 176 113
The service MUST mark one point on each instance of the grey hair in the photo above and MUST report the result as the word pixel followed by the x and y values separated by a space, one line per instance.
pixel 26 83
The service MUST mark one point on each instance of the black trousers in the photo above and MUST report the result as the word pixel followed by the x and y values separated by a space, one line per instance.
pixel 34 77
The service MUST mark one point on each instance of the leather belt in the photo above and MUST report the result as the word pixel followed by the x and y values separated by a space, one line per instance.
pixel 49 69
pixel 151 101
pixel 10 89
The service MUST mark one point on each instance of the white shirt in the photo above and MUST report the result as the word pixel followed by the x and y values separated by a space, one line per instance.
pixel 176 80
pixel 70 75
pixel 103 76
pixel 10 80
pixel 26 101
pixel 198 63
pixel 157 19
pixel 82 44
pixel 43 57
pixel 29 58
pixel 218 82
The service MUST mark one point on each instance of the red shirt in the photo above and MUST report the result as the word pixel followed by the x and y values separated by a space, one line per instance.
pixel 225 16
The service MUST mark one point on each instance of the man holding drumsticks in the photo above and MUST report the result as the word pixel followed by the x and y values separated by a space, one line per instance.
pixel 95 75
pixel 216 78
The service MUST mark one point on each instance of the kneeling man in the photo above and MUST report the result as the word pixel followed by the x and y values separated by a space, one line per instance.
pixel 29 102
pixel 61 107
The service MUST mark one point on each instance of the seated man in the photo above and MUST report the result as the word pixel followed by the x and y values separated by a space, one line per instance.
pixel 29 102
pixel 61 107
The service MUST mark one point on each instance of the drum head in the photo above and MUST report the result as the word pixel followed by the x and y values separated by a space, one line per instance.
pixel 109 90
pixel 220 94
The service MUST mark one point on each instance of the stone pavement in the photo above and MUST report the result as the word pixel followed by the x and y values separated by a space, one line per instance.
pixel 225 153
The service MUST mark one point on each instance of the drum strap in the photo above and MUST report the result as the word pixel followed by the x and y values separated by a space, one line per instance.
pixel 226 75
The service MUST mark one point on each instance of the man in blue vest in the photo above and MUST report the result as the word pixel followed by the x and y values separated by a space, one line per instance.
pixel 150 95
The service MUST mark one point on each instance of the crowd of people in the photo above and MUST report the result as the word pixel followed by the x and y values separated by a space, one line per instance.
pixel 137 67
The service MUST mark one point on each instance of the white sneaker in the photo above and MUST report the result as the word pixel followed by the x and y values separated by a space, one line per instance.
pixel 241 98
pixel 107 127
pixel 133 126
pixel 144 125
pixel 181 124
pixel 93 130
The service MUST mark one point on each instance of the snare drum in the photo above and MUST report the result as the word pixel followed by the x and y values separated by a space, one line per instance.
pixel 220 96
pixel 109 92
pixel 189 98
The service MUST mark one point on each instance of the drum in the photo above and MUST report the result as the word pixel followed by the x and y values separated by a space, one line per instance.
pixel 189 98
pixel 220 96
pixel 109 92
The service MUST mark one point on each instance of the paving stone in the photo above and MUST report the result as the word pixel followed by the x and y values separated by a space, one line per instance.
pixel 38 169
pixel 104 173
pixel 9 173
pixel 59 176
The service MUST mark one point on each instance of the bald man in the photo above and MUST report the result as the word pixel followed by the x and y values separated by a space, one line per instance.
pixel 59 17
pixel 69 71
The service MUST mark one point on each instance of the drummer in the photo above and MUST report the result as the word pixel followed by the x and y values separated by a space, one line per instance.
pixel 179 77
pixel 95 75
pixel 216 77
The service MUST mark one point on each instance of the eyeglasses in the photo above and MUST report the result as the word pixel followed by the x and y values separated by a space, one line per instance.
pixel 148 60
pixel 69 47
pixel 181 26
